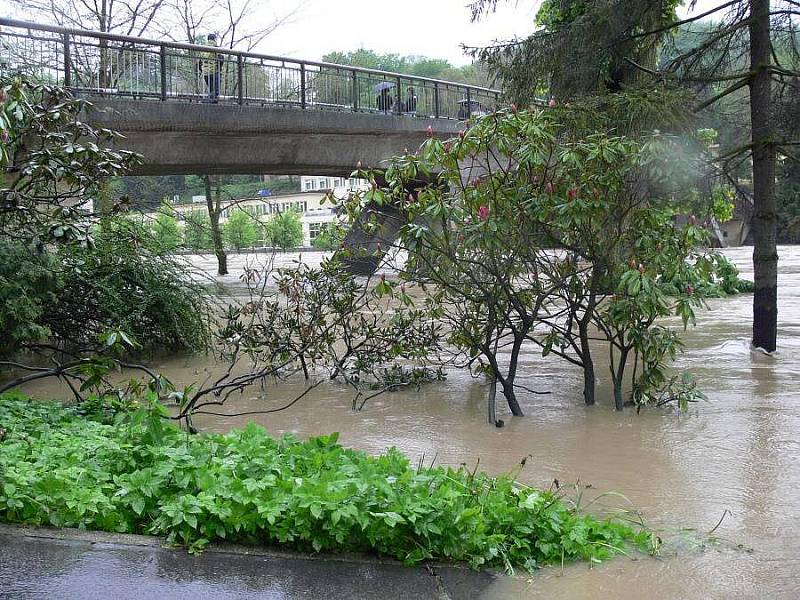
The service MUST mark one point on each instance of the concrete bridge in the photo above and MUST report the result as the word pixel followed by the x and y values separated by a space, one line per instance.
pixel 205 110
pixel 196 138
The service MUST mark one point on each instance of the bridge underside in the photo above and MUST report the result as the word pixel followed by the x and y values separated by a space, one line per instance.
pixel 206 139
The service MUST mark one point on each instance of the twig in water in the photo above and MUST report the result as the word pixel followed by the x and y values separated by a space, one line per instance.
pixel 721 519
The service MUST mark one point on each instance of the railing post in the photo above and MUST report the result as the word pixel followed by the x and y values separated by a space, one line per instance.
pixel 240 77
pixel 163 54
pixel 67 61
pixel 399 108
pixel 355 90
pixel 469 104
pixel 302 85
pixel 436 100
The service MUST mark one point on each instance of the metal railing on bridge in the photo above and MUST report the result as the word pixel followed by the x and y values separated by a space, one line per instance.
pixel 96 63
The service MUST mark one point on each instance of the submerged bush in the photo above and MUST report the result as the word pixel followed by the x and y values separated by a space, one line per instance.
pixel 125 280
pixel 142 475
pixel 29 283
pixel 69 295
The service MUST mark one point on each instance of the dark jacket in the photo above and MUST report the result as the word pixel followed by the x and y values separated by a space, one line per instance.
pixel 384 101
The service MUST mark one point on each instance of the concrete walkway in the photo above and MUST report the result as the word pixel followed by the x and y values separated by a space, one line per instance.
pixel 67 564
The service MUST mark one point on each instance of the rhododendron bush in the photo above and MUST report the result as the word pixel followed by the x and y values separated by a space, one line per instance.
pixel 531 239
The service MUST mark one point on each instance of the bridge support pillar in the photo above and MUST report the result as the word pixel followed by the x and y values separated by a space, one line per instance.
pixel 369 238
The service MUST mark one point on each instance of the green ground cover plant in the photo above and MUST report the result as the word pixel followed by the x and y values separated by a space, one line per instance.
pixel 135 472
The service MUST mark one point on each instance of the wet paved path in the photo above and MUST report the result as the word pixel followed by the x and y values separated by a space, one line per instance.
pixel 72 565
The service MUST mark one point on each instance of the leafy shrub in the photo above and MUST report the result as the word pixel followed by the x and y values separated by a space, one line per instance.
pixel 71 294
pixel 551 238
pixel 125 281
pixel 166 230
pixel 330 237
pixel 240 230
pixel 143 475
pixel 284 230
pixel 29 283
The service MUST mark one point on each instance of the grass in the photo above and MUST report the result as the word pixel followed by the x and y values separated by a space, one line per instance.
pixel 137 473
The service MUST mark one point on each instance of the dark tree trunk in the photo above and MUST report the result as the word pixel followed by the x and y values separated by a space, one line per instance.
pixel 511 398
pixel 618 378
pixel 588 364
pixel 214 211
pixel 588 381
pixel 508 382
pixel 765 254
pixel 492 405
pixel 583 331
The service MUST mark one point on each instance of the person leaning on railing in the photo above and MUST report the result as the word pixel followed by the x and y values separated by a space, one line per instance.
pixel 210 67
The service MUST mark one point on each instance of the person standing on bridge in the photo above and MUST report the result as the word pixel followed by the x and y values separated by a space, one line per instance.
pixel 385 101
pixel 210 67
pixel 410 105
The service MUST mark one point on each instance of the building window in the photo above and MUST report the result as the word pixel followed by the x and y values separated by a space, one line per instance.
pixel 323 184
pixel 314 229
pixel 309 185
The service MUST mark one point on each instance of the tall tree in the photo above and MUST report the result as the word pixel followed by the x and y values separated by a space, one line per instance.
pixel 215 208
pixel 107 16
pixel 239 26
pixel 592 39
pixel 580 47
pixel 240 230
pixel 765 254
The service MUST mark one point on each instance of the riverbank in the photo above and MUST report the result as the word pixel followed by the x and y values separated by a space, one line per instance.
pixel 735 454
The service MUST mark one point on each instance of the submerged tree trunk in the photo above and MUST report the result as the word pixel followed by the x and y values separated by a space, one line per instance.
pixel 588 365
pixel 511 398
pixel 508 382
pixel 588 381
pixel 492 405
pixel 214 210
pixel 618 377
pixel 765 254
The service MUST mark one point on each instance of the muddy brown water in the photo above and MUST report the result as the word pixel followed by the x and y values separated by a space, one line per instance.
pixel 735 454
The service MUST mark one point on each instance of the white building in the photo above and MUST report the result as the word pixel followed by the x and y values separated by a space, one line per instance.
pixel 341 187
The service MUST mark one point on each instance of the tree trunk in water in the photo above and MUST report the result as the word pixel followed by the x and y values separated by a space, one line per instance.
pixel 618 377
pixel 493 402
pixel 588 381
pixel 216 232
pixel 511 398
pixel 588 365
pixel 765 254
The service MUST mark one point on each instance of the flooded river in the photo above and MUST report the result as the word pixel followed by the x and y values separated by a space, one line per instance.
pixel 736 454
